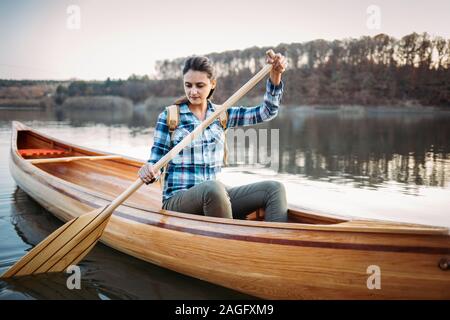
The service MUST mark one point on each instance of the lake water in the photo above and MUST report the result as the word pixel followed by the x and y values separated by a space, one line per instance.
pixel 389 164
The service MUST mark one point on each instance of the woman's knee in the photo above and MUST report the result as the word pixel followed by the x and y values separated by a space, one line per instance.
pixel 215 189
pixel 275 186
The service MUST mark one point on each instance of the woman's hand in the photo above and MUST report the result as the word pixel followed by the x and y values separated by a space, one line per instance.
pixel 147 174
pixel 279 65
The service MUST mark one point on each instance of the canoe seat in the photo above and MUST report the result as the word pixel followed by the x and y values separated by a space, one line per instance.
pixel 41 152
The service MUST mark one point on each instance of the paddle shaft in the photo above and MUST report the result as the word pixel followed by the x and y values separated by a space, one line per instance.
pixel 194 134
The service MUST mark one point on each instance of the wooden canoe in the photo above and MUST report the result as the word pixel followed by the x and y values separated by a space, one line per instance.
pixel 314 256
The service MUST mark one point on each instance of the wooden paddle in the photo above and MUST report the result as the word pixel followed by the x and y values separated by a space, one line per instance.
pixel 71 242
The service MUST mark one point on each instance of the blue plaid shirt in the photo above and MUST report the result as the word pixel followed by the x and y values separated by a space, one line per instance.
pixel 203 158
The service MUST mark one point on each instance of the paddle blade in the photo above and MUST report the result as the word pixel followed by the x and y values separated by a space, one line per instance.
pixel 64 247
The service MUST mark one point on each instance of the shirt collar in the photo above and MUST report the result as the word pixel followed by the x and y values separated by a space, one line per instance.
pixel 184 108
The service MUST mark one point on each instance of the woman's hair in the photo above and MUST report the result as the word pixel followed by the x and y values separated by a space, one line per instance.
pixel 198 63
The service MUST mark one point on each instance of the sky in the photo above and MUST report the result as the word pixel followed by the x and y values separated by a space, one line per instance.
pixel 47 39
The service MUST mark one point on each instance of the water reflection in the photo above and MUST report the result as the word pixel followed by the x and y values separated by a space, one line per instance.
pixel 363 147
pixel 408 148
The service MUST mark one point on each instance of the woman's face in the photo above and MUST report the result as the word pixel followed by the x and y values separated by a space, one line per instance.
pixel 197 86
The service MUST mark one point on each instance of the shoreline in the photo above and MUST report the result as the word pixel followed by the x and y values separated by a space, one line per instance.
pixel 153 102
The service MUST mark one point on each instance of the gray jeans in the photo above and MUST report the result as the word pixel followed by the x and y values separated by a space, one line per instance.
pixel 213 198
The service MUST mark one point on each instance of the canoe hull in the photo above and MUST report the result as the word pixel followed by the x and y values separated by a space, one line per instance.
pixel 272 262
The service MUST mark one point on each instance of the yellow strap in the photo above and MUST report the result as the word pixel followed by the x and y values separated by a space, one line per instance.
pixel 223 118
pixel 173 118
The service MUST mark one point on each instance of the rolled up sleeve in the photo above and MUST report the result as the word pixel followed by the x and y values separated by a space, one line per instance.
pixel 246 116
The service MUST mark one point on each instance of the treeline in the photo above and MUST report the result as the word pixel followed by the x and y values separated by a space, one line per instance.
pixel 21 83
pixel 27 93
pixel 135 88
pixel 379 70
pixel 26 89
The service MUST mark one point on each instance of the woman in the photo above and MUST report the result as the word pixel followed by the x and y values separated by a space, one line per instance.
pixel 189 184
